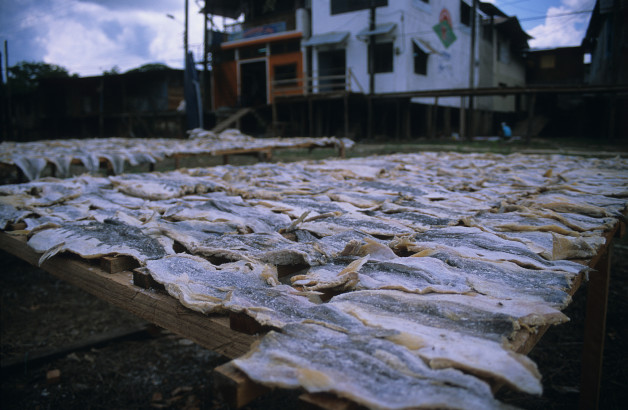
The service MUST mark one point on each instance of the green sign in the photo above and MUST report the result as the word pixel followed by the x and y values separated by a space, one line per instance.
pixel 445 33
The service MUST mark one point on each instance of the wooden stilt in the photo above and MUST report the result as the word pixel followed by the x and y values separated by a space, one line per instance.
pixel 594 332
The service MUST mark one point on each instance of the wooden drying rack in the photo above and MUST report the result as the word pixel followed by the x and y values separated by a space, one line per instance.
pixel 115 280
pixel 264 154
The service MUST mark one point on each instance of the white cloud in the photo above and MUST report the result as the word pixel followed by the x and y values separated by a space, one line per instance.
pixel 90 36
pixel 562 26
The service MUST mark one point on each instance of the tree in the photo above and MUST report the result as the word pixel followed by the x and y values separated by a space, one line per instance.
pixel 24 77
pixel 115 70
pixel 149 67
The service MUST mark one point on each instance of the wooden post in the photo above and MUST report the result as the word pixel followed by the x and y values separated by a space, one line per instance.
pixel 462 129
pixel 435 118
pixel 274 109
pixel 346 118
pixel 447 120
pixel 531 103
pixel 594 331
pixel 369 118
pixel 310 115
pixel 429 120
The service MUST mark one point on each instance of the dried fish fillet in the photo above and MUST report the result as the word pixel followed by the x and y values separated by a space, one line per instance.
pixel 268 247
pixel 370 371
pixel 502 279
pixel 31 167
pixel 442 342
pixel 405 274
pixel 475 244
pixel 475 315
pixel 202 286
pixel 95 239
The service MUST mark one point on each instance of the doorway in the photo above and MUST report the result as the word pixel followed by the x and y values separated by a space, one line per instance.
pixel 253 83
pixel 331 63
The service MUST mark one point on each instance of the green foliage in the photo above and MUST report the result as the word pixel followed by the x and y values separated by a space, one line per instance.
pixel 24 77
pixel 113 71
pixel 149 67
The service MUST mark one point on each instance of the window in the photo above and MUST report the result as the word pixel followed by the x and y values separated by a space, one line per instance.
pixel 383 61
pixel 345 6
pixel 286 72
pixel 420 60
pixel 223 56
pixel 282 47
pixel 548 61
pixel 465 13
pixel 253 52
pixel 487 32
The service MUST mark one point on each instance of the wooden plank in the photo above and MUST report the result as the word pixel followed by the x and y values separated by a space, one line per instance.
pixel 236 388
pixel 326 401
pixel 594 333
pixel 209 331
pixel 115 264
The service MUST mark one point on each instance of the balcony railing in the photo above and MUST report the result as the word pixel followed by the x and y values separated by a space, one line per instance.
pixel 316 85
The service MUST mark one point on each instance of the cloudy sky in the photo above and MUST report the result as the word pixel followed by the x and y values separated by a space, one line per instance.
pixel 90 36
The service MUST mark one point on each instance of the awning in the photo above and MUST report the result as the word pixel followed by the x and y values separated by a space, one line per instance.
pixel 380 30
pixel 424 46
pixel 326 39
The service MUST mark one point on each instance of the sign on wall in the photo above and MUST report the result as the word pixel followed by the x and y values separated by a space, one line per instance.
pixel 444 29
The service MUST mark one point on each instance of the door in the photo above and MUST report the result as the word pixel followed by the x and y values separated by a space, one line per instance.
pixel 331 63
pixel 253 83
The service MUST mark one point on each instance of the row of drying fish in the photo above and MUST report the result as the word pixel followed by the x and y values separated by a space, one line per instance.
pixel 435 260
pixel 33 157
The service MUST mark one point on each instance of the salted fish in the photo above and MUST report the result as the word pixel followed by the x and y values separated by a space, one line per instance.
pixel 268 247
pixel 257 218
pixel 282 305
pixel 31 167
pixel 297 205
pixel 202 286
pixel 475 243
pixel 516 221
pixel 504 279
pixel 561 223
pixel 355 221
pixel 190 233
pixel 396 273
pixel 41 193
pixel 553 246
pixel 592 205
pixel 373 372
pixel 168 185
pixel 96 239
pixel 62 165
pixel 10 214
pixel 443 343
pixel 476 315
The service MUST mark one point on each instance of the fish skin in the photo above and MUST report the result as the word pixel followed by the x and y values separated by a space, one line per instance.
pixel 369 371
pixel 446 347
pixel 94 239
pixel 204 287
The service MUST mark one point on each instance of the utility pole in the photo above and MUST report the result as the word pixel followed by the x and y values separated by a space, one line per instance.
pixel 185 33
pixel 9 109
pixel 371 69
pixel 471 130
pixel 371 50
pixel 204 79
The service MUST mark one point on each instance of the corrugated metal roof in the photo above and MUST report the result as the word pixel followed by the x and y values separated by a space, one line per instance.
pixel 380 29
pixel 330 38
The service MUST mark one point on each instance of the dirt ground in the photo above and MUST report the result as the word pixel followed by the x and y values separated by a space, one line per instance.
pixel 163 370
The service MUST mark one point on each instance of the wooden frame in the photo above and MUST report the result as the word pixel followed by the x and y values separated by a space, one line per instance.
pixel 229 336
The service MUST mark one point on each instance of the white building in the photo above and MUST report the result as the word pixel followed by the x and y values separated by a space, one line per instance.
pixel 419 45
